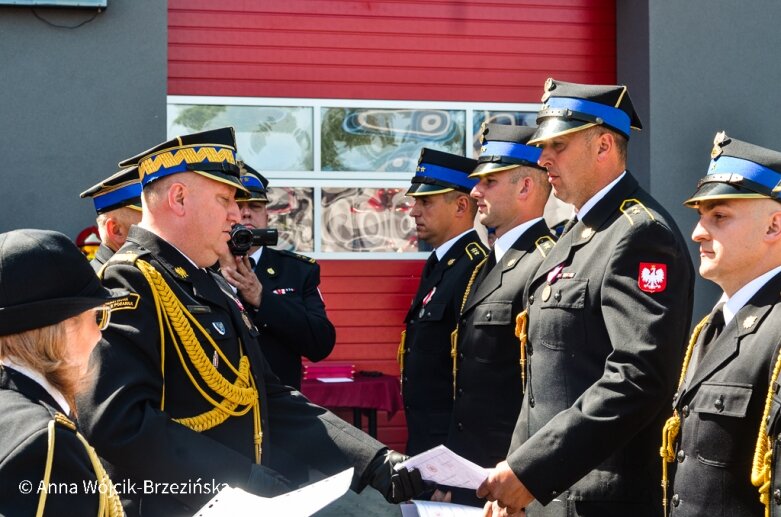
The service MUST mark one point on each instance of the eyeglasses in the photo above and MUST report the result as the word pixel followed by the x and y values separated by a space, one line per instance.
pixel 102 316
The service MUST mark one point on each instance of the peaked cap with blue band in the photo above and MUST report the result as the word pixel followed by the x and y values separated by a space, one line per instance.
pixel 505 147
pixel 440 172
pixel 254 182
pixel 571 107
pixel 211 154
pixel 118 190
pixel 739 170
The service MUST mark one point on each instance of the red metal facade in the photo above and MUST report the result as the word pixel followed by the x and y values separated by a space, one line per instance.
pixel 444 50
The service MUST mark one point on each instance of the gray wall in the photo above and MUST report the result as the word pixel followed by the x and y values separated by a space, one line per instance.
pixel 73 102
pixel 694 68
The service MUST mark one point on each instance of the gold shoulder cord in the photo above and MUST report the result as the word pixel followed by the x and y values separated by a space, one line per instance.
pixel 174 317
pixel 673 424
pixel 109 504
pixel 761 466
pixel 400 357
pixel 454 334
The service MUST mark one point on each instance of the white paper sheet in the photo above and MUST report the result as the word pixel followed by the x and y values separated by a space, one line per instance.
pixel 235 502
pixel 443 466
pixel 434 509
pixel 334 379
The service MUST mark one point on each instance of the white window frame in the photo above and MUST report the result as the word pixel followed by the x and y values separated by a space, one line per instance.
pixel 348 179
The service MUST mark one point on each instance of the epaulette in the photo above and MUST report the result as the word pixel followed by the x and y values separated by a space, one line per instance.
pixel 633 208
pixel 126 257
pixel 544 244
pixel 475 251
pixel 299 256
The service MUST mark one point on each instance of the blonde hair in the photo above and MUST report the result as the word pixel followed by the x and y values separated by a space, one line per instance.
pixel 45 350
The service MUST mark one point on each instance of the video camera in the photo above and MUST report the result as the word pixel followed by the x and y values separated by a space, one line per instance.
pixel 242 239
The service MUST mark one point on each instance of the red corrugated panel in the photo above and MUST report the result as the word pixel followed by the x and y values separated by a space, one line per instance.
pixel 445 50
pixel 367 302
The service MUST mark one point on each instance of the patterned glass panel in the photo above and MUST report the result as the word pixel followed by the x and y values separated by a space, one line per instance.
pixel 291 212
pixel 386 140
pixel 512 118
pixel 367 219
pixel 270 138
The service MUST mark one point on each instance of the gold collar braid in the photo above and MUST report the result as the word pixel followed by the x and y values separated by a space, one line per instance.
pixel 174 317
pixel 109 504
pixel 761 466
pixel 673 424
pixel 454 334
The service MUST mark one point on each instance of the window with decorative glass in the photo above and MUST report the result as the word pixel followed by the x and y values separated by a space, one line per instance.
pixel 339 169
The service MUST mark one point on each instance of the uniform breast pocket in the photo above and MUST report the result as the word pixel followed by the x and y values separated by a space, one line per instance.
pixel 562 314
pixel 721 428
pixel 493 323
pixel 218 326
pixel 433 312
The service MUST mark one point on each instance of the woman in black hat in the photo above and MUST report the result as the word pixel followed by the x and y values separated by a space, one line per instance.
pixel 52 311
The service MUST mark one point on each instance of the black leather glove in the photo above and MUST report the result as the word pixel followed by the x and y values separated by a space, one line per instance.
pixel 396 486
pixel 267 482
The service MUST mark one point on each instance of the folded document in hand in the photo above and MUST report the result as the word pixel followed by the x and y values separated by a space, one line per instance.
pixel 442 466
pixel 234 502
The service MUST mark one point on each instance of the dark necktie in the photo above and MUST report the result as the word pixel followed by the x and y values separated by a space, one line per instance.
pixel 490 262
pixel 712 331
pixel 431 262
pixel 252 263
pixel 567 227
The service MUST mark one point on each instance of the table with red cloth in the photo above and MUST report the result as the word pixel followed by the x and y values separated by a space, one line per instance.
pixel 365 394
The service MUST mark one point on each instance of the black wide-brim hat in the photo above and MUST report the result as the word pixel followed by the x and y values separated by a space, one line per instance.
pixel 45 279
pixel 739 170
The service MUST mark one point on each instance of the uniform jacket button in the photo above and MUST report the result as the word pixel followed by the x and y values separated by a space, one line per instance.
pixel 685 411
pixel 531 401
pixel 531 299
pixel 461 356
pixel 404 378
pixel 488 316
pixel 719 403
pixel 460 426
pixel 680 456
pixel 675 500
pixel 557 296
pixel 460 392
pixel 777 496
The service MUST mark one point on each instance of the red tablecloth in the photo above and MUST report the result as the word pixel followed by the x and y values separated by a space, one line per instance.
pixel 381 393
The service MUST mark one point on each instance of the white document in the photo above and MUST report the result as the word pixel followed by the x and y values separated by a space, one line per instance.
pixel 443 466
pixel 334 379
pixel 434 509
pixel 235 502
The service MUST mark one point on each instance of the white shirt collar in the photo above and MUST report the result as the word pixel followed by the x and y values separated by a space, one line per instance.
pixel 504 242
pixel 40 379
pixel 444 248
pixel 733 304
pixel 256 256
pixel 588 205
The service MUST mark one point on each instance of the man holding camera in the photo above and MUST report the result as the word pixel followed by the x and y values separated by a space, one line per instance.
pixel 182 400
pixel 291 314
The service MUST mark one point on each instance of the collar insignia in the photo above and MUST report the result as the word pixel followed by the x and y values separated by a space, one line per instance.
pixel 511 263
pixel 179 270
pixel 451 262
pixel 588 232
pixel 219 327
pixel 749 322
pixel 271 271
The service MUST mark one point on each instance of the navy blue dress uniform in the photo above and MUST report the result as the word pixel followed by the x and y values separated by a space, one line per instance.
pixel 121 189
pixel 40 445
pixel 487 364
pixel 425 349
pixel 721 401
pixel 292 319
pixel 183 393
pixel 609 310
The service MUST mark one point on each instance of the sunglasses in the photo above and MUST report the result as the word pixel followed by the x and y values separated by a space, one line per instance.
pixel 102 316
